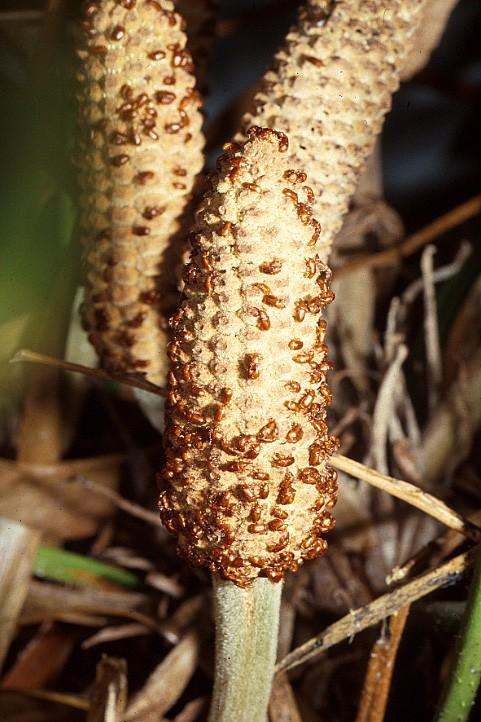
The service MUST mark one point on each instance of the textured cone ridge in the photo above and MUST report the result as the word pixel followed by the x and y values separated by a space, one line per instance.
pixel 246 487
pixel 140 150
pixel 330 89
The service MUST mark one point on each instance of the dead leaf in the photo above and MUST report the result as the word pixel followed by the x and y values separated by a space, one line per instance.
pixel 108 697
pixel 353 587
pixel 167 682
pixel 18 546
pixel 47 496
pixel 42 659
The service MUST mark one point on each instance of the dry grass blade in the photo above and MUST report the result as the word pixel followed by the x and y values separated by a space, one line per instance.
pixel 44 597
pixel 167 681
pixel 413 243
pixel 69 700
pixel 76 618
pixel 384 408
pixel 409 493
pixel 129 507
pixel 108 697
pixel 386 605
pixel 88 620
pixel 431 329
pixel 119 631
pixel 39 358
pixel 47 602
pixel 377 682
pixel 165 584
pixel 18 546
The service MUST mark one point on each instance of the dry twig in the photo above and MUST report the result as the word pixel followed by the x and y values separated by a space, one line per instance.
pixel 417 240
pixel 130 380
pixel 128 506
pixel 384 606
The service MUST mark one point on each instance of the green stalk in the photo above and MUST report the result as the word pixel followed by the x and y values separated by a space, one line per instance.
pixel 247 622
pixel 465 676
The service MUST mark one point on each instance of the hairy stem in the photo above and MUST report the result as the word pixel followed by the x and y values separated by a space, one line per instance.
pixel 247 622
pixel 465 676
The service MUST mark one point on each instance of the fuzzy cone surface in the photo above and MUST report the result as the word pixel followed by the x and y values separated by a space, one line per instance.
pixel 247 488
pixel 140 149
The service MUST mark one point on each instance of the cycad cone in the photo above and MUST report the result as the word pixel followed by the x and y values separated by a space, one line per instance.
pixel 246 487
pixel 140 150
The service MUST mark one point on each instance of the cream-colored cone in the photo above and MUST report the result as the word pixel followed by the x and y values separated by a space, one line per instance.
pixel 329 90
pixel 139 152
pixel 246 488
